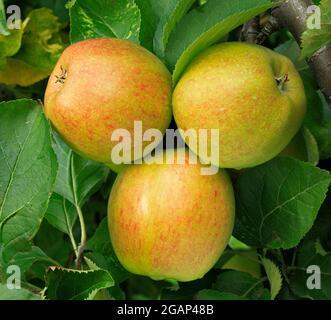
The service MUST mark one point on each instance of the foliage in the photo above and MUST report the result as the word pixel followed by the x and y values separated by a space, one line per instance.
pixel 50 197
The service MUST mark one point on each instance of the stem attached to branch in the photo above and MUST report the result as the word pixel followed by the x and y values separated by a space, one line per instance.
pixel 292 14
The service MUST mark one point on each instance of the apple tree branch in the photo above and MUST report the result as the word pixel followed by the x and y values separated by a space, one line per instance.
pixel 292 14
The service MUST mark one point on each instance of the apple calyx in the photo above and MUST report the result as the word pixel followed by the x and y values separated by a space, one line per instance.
pixel 281 81
pixel 62 77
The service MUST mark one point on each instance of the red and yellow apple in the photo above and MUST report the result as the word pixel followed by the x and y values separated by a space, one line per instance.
pixel 167 221
pixel 101 85
pixel 253 95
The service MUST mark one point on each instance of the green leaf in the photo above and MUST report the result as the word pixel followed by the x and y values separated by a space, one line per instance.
pixel 172 13
pixel 308 256
pixel 53 242
pixel 29 169
pixel 68 284
pixel 91 264
pixel 17 294
pixel 235 244
pixel 27 258
pixel 306 253
pixel 277 202
pixel 322 227
pixel 292 50
pixel 241 284
pixel 3 21
pixel 8 250
pixel 11 43
pixel 149 21
pixel 315 39
pixel 311 146
pixel 245 261
pixel 209 294
pixel 40 49
pixel 103 254
pixel 319 248
pixel 205 26
pixel 303 147
pixel 274 276
pixel 77 177
pixel 114 292
pixel 318 116
pixel 103 18
pixel 61 213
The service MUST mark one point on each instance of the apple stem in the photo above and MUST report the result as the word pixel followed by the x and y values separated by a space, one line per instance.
pixel 62 77
pixel 281 81
pixel 82 244
pixel 83 239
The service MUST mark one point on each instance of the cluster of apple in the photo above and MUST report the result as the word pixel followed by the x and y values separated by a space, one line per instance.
pixel 167 221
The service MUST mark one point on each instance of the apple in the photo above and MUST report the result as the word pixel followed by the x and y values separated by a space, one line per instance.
pixel 252 95
pixel 101 85
pixel 169 222
pixel 302 147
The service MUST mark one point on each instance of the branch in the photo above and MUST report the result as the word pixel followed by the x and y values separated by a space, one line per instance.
pixel 258 29
pixel 292 14
pixel 250 31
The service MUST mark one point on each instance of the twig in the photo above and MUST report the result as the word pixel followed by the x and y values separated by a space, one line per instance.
pixel 250 31
pixel 270 26
pixel 258 29
pixel 294 257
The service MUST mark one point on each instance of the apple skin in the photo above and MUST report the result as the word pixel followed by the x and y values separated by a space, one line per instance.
pixel 232 87
pixel 167 221
pixel 109 84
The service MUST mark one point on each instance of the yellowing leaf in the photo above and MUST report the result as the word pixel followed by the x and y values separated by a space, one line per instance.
pixel 18 72
pixel 32 51
pixel 42 44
